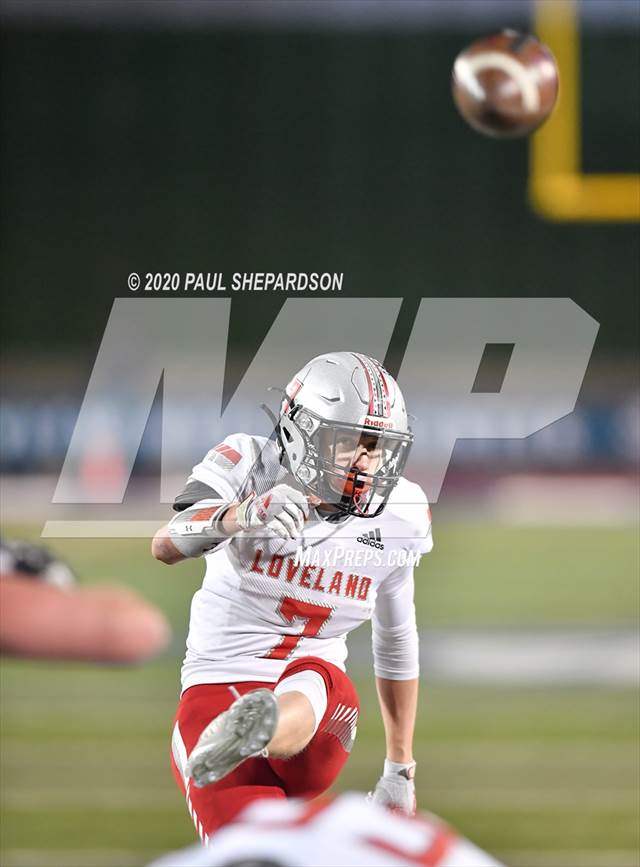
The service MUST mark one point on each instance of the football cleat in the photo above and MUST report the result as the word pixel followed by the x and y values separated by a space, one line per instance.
pixel 241 732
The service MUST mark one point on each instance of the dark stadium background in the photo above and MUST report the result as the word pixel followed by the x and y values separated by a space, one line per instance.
pixel 213 137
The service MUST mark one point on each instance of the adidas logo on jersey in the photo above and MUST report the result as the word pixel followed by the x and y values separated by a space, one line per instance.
pixel 372 538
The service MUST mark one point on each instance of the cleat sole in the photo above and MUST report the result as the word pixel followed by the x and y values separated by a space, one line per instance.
pixel 239 733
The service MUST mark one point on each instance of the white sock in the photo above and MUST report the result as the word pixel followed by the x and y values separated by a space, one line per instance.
pixel 312 685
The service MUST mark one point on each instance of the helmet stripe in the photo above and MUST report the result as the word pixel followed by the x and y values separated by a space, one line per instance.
pixel 385 388
pixel 379 403
pixel 367 373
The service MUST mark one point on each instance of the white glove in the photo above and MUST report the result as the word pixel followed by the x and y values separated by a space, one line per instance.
pixel 283 510
pixel 395 789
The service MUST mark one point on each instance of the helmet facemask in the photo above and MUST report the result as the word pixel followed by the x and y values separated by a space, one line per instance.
pixel 322 454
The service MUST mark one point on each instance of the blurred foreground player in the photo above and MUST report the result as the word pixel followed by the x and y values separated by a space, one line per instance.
pixel 44 615
pixel 347 832
pixel 306 536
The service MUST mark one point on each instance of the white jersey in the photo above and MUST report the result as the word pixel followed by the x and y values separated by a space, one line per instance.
pixel 347 832
pixel 265 601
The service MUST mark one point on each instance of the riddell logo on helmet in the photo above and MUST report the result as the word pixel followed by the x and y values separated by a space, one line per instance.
pixel 373 539
pixel 378 422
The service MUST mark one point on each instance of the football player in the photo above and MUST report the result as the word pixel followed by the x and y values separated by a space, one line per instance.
pixel 306 535
pixel 346 832
pixel 43 614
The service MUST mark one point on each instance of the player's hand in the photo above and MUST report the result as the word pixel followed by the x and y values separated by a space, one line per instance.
pixel 283 510
pixel 395 788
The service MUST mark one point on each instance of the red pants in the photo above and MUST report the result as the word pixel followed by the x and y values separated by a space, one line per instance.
pixel 305 775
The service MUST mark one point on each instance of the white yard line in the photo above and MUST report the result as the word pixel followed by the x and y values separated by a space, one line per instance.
pixel 558 656
pixel 76 857
pixel 27 800
pixel 138 800
pixel 541 658
pixel 18 754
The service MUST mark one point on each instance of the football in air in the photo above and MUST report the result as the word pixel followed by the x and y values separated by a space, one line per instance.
pixel 505 85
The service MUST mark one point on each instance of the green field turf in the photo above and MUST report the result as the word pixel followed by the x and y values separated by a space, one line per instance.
pixel 539 776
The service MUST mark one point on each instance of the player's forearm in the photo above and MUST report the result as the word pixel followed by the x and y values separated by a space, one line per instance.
pixel 398 704
pixel 195 531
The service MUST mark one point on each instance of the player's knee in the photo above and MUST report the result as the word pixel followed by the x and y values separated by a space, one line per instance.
pixel 326 670
pixel 336 680
pixel 305 691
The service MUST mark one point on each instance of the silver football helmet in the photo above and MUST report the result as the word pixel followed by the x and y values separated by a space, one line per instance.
pixel 337 408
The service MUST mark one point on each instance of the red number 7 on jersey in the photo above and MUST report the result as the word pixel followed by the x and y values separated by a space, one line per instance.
pixel 294 609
